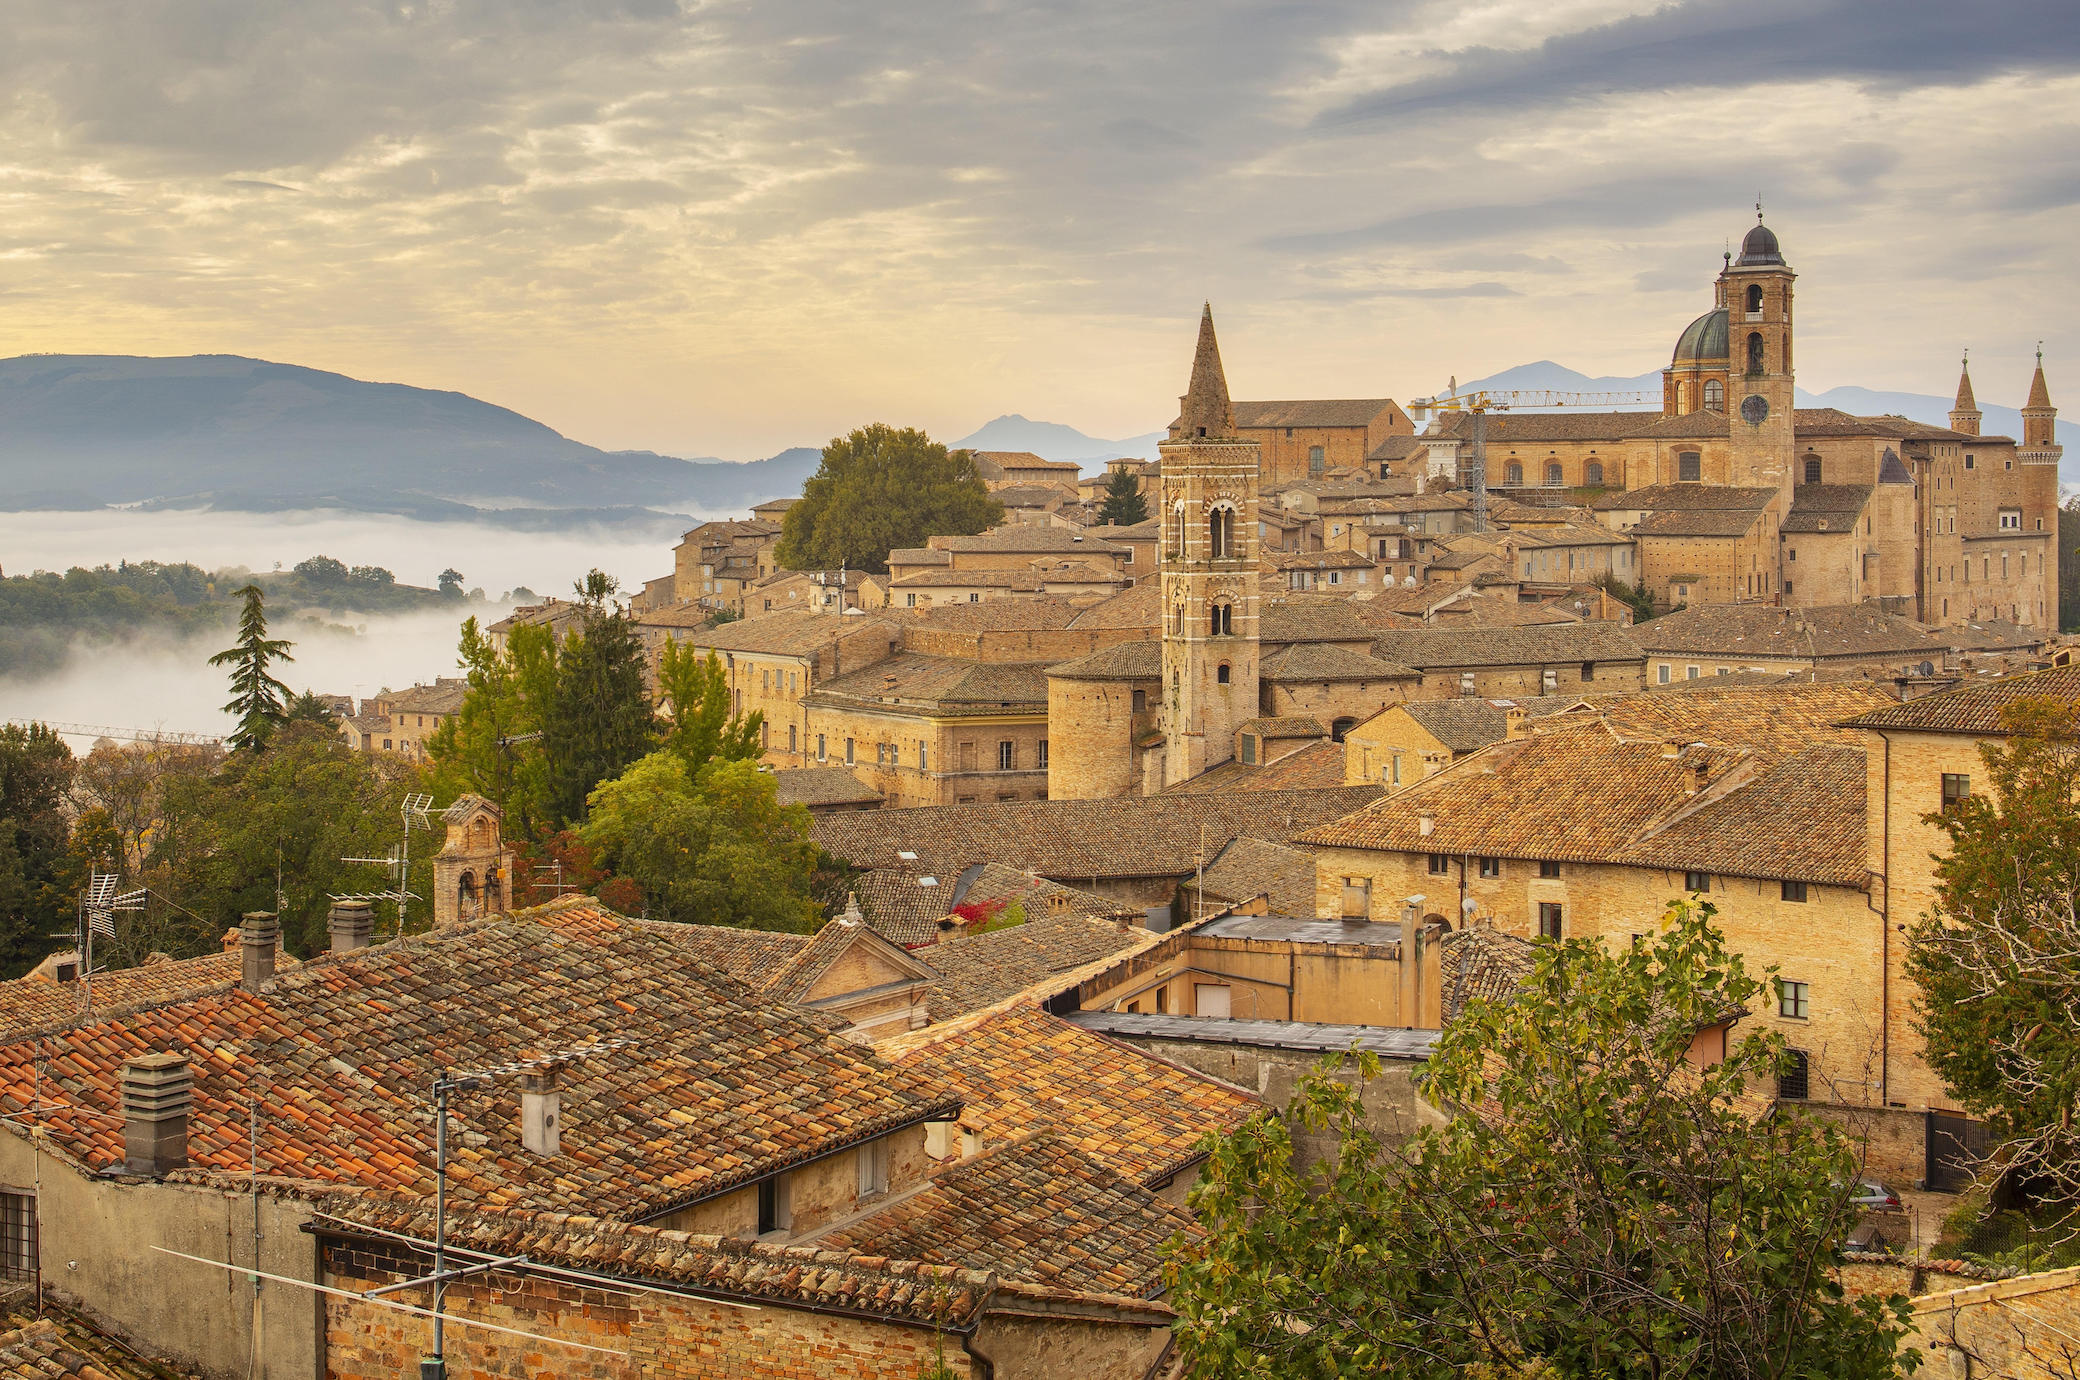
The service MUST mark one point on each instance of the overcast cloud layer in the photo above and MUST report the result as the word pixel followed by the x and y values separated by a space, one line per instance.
pixel 720 228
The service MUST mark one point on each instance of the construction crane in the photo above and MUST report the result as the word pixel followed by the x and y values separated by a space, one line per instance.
pixel 1478 402
pixel 135 735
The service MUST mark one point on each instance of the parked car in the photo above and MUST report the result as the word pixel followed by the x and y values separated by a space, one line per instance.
pixel 1872 1196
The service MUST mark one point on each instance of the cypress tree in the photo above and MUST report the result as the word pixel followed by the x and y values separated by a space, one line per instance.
pixel 257 698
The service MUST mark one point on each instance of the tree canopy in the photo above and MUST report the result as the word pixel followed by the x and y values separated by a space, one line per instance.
pixel 698 723
pixel 597 718
pixel 258 700
pixel 879 489
pixel 1596 1205
pixel 1124 506
pixel 35 773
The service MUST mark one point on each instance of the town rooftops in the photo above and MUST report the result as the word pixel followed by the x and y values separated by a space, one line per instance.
pixel 936 685
pixel 1825 508
pixel 444 696
pixel 1311 618
pixel 1037 538
pixel 34 1003
pixel 1698 522
pixel 1550 644
pixel 1389 1042
pixel 978 971
pixel 1330 661
pixel 1764 630
pixel 1468 721
pixel 1687 498
pixel 1481 962
pixel 1122 661
pixel 822 786
pixel 1320 412
pixel 905 903
pixel 789 632
pixel 717 1091
pixel 1974 708
pixel 1248 868
pixel 1077 840
pixel 1318 766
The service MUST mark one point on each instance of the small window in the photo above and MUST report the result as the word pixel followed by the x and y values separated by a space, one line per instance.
pixel 1553 475
pixel 1141 701
pixel 1249 749
pixel 910 601
pixel 1661 674
pixel 775 1206
pixel 1689 466
pixel 1690 673
pixel 923 757
pixel 1791 1000
pixel 1315 460
pixel 1548 920
pixel 1588 671
pixel 821 755
pixel 1340 728
pixel 1812 469
pixel 1041 760
pixel 17 1236
pixel 1491 867
pixel 1957 787
pixel 1466 682
pixel 1793 891
pixel 1592 475
pixel 1697 881
pixel 1357 898
pixel 1968 462
pixel 1220 674
pixel 1794 1083
pixel 1754 297
pixel 1548 868
pixel 1714 395
pixel 1440 865
pixel 1007 755
pixel 1515 474
pixel 848 752
pixel 974 596
pixel 873 1167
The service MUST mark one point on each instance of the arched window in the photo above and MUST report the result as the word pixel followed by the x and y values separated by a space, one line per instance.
pixel 1714 395
pixel 1514 474
pixel 1553 477
pixel 1754 352
pixel 1220 533
pixel 466 894
pixel 1594 473
pixel 1220 673
pixel 1754 297
pixel 1220 620
pixel 1812 469
pixel 1177 536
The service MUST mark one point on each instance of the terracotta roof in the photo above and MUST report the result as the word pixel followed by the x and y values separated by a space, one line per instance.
pixel 31 1003
pixel 1687 498
pixel 1254 867
pixel 1974 709
pixel 749 956
pixel 1318 766
pixel 1040 611
pixel 1437 647
pixel 1138 607
pixel 1507 429
pixel 981 970
pixel 1020 1069
pixel 1031 536
pixel 788 632
pixel 905 902
pixel 1308 412
pixel 1779 716
pixel 942 685
pixel 1580 792
pixel 1332 661
pixel 64 1346
pixel 1763 630
pixel 1825 508
pixel 2039 391
pixel 1320 618
pixel 1470 722
pixel 339 1052
pixel 1394 447
pixel 444 696
pixel 1699 522
pixel 1034 1209
pixel 1122 661
pixel 1317 560
pixel 1127 836
pixel 1480 962
pixel 813 786
pixel 919 555
pixel 811 1276
pixel 1289 726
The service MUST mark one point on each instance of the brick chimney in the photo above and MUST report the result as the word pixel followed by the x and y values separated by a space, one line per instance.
pixel 1057 903
pixel 258 935
pixel 1426 821
pixel 157 1091
pixel 351 924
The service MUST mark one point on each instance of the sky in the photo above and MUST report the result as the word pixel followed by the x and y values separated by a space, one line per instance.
pixel 724 228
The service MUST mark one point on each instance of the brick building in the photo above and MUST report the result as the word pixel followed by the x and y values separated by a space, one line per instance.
pixel 1306 439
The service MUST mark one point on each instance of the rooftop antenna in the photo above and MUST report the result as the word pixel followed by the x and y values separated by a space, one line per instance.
pixel 413 815
pixel 98 904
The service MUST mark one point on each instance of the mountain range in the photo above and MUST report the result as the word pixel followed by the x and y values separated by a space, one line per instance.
pixel 230 433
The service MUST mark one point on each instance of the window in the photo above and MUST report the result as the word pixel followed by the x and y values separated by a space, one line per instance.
pixel 1661 674
pixel 1548 920
pixel 1956 788
pixel 1690 673
pixel 1515 474
pixel 1588 671
pixel 1249 749
pixel 1007 755
pixel 1792 891
pixel 1041 760
pixel 1548 868
pixel 17 1236
pixel 1553 475
pixel 910 601
pixel 1812 469
pixel 775 1205
pixel 1491 867
pixel 1791 1000
pixel 821 755
pixel 1141 701
pixel 1592 474
pixel 1314 460
pixel 923 757
pixel 1466 682
pixel 1220 674
pixel 1211 999
pixel 1714 395
pixel 1754 352
pixel 1754 297
pixel 1968 462
pixel 1689 466
pixel 1794 1083
pixel 974 596
pixel 1357 898
pixel 1220 533
pixel 1697 881
pixel 1220 620
pixel 1340 728
pixel 790 737
pixel 1440 865
pixel 873 1167
pixel 2011 519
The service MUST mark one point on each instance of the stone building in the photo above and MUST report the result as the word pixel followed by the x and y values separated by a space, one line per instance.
pixel 1935 513
pixel 1718 640
pixel 930 730
pixel 716 564
pixel 1306 439
pixel 403 721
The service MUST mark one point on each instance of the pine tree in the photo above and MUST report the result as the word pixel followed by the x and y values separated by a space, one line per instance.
pixel 598 719
pixel 698 724
pixel 1124 506
pixel 257 698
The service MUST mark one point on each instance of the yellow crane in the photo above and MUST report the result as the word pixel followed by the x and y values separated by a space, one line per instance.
pixel 1478 402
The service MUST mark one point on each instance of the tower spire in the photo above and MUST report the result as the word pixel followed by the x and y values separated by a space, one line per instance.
pixel 2039 392
pixel 1204 410
pixel 1964 413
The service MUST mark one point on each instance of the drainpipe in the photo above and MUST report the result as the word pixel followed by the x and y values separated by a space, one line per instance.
pixel 1885 943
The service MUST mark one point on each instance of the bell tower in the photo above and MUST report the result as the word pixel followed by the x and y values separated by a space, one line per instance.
pixel 1759 392
pixel 1210 577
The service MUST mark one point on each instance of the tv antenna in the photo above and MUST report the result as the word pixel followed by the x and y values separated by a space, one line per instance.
pixel 412 815
pixel 98 904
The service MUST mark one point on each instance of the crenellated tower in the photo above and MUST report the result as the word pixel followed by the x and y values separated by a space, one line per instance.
pixel 1756 290
pixel 1210 576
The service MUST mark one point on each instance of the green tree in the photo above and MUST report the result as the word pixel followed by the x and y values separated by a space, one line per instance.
pixel 1997 961
pixel 35 771
pixel 2069 565
pixel 1124 506
pixel 451 583
pixel 717 849
pixel 879 489
pixel 307 708
pixel 1595 1206
pixel 491 746
pixel 699 726
pixel 372 575
pixel 256 696
pixel 597 719
pixel 322 571
pixel 1637 597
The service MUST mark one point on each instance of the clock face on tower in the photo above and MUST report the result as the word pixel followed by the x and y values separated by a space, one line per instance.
pixel 1754 409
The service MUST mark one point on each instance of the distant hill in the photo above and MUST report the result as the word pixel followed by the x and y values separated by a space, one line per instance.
pixel 85 431
pixel 1054 441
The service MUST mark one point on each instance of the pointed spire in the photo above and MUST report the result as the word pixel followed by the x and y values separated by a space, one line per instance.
pixel 2039 393
pixel 1204 410
pixel 1965 401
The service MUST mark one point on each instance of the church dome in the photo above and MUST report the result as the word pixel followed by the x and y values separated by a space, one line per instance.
pixel 1704 338
pixel 1760 247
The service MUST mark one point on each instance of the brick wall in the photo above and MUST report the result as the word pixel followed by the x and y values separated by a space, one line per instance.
pixel 2026 1328
pixel 1091 726
pixel 649 1334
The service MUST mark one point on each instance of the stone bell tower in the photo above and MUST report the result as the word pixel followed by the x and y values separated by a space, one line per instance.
pixel 1759 392
pixel 473 872
pixel 1210 575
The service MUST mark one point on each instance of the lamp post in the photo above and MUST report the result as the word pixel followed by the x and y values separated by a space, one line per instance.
pixel 435 1365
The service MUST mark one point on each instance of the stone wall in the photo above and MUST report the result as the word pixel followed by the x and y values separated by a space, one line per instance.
pixel 2027 1328
pixel 960 759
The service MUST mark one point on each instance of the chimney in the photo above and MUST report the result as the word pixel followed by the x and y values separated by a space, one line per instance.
pixel 157 1091
pixel 1671 750
pixel 351 924
pixel 1700 772
pixel 1057 903
pixel 1513 718
pixel 1426 822
pixel 258 934
pixel 541 1113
